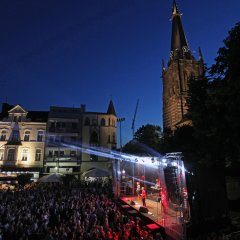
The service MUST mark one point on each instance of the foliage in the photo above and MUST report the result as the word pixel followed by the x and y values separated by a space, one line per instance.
pixel 214 106
pixel 24 179
pixel 147 140
pixel 150 135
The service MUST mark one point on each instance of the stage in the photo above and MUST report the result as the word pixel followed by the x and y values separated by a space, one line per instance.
pixel 165 220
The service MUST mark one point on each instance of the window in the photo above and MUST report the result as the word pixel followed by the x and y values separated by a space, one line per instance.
pixel 63 125
pixel 38 155
pixel 40 136
pixel 93 158
pixel 61 153
pixel 109 139
pixel 55 153
pixel 24 154
pixel 57 139
pixel 15 136
pixel 103 122
pixel 72 153
pixel 1 154
pixel 109 122
pixel 19 118
pixel 11 154
pixel 3 135
pixel 73 139
pixel 15 118
pixel 113 138
pixel 94 122
pixel 51 139
pixel 94 137
pixel 87 121
pixel 50 153
pixel 26 136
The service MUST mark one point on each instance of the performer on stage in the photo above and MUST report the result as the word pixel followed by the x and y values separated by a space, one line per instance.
pixel 143 195
pixel 138 190
pixel 157 185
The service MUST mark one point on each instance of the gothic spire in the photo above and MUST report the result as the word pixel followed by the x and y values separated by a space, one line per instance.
pixel 179 45
pixel 111 109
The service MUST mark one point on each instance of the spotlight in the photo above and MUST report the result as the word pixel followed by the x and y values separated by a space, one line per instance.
pixel 164 160
pixel 136 160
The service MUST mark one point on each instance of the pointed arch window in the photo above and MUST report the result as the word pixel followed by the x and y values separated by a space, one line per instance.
pixel 103 122
pixel 87 121
pixel 26 136
pixel 3 135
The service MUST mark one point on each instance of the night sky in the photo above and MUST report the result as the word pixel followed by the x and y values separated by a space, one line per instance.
pixel 67 53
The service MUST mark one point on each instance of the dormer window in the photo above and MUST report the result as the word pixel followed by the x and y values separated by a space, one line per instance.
pixel 15 136
pixel 3 135
pixel 26 136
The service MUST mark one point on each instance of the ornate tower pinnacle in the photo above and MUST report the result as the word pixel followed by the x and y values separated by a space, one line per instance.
pixel 179 45
pixel 181 67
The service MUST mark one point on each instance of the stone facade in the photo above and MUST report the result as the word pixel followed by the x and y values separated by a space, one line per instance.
pixel 181 67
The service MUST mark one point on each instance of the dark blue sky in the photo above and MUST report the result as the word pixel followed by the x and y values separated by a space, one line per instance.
pixel 67 53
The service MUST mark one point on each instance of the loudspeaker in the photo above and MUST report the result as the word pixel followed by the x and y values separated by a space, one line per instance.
pixel 132 203
pixel 143 210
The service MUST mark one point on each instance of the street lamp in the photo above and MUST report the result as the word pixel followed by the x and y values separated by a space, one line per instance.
pixel 120 120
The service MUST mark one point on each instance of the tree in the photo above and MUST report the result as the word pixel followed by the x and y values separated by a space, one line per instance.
pixel 214 106
pixel 147 139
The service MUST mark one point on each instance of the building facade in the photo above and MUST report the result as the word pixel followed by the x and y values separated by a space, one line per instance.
pixel 71 132
pixel 22 139
pixel 56 141
pixel 181 67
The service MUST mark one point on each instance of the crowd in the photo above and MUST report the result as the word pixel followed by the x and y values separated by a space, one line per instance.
pixel 51 212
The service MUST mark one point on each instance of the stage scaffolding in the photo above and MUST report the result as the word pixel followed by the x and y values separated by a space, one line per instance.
pixel 164 181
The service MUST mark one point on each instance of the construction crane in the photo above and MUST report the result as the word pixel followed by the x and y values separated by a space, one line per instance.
pixel 134 117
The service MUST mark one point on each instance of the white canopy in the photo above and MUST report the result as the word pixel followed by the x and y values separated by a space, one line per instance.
pixel 54 177
pixel 96 172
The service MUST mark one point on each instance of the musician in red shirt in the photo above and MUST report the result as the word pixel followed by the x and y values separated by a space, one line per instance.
pixel 143 195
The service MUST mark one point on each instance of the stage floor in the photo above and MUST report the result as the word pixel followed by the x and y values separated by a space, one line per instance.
pixel 155 209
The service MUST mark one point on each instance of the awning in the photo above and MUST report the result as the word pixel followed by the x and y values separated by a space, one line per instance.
pixel 96 172
pixel 55 177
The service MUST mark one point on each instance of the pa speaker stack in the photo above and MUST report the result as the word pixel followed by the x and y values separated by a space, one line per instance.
pixel 143 210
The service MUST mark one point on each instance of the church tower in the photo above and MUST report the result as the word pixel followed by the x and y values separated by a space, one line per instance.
pixel 181 67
